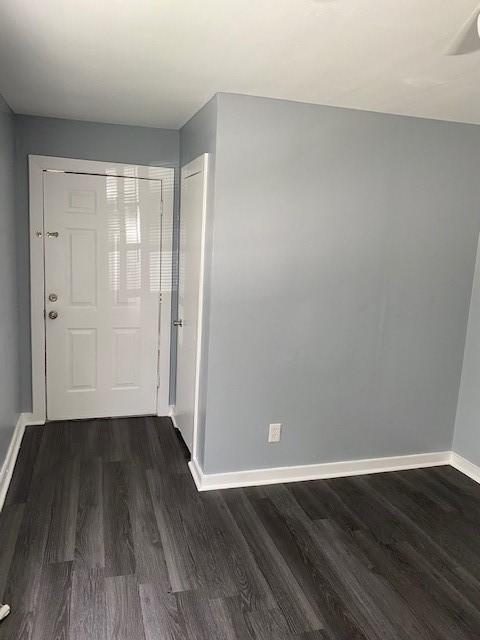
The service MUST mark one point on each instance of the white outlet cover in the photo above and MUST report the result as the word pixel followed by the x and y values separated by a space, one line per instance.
pixel 275 432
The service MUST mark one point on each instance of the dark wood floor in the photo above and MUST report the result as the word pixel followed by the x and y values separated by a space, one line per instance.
pixel 104 535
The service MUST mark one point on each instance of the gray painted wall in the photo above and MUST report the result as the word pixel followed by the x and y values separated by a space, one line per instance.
pixel 467 426
pixel 343 258
pixel 9 376
pixel 199 136
pixel 74 139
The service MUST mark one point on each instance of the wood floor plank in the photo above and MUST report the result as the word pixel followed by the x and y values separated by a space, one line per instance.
pixel 139 445
pixel 406 535
pixel 124 614
pixel 448 529
pixel 17 626
pixel 462 504
pixel 375 606
pixel 63 519
pixel 448 589
pixel 291 600
pixel 161 615
pixel 193 557
pixel 120 441
pixel 89 536
pixel 89 439
pixel 150 563
pixel 117 526
pixel 22 477
pixel 167 456
pixel 88 605
pixel 56 446
pixel 26 566
pixel 250 584
pixel 387 611
pixel 381 538
pixel 436 492
pixel 424 602
pixel 182 565
pixel 98 440
pixel 52 615
pixel 294 535
pixel 255 620
pixel 445 543
pixel 104 536
pixel 10 521
pixel 205 618
pixel 453 477
pixel 319 502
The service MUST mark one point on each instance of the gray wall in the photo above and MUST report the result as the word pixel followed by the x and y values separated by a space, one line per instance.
pixel 467 427
pixel 199 136
pixel 9 376
pixel 74 139
pixel 344 250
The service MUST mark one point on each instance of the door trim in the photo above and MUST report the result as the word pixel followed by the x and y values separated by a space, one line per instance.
pixel 37 166
pixel 199 165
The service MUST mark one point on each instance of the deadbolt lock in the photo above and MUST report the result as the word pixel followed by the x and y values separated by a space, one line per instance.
pixel 53 297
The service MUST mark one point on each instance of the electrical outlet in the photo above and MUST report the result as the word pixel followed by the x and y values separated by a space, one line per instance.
pixel 274 432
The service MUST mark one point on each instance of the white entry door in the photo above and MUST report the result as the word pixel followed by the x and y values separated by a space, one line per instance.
pixel 190 294
pixel 102 291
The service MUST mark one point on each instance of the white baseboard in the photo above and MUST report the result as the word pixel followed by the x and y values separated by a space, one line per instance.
pixel 211 481
pixel 8 466
pixel 172 418
pixel 164 411
pixel 465 466
pixel 197 473
pixel 275 475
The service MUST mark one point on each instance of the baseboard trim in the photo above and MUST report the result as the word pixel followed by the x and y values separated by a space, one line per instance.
pixel 197 474
pixel 465 466
pixel 172 418
pixel 253 477
pixel 275 475
pixel 9 463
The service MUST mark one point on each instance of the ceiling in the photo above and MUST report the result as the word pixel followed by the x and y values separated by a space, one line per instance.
pixel 156 62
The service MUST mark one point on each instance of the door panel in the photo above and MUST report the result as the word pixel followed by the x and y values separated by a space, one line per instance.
pixel 82 266
pixel 190 283
pixel 102 248
pixel 82 359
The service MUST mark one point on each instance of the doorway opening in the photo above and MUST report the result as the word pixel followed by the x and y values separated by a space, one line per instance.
pixel 101 277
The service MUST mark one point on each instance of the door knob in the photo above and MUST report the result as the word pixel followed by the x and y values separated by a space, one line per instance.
pixel 52 234
pixel 178 323
pixel 53 315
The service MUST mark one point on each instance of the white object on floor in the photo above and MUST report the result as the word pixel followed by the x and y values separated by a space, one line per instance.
pixel 4 611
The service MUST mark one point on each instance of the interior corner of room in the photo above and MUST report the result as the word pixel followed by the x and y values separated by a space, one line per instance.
pixel 239 320
pixel 334 297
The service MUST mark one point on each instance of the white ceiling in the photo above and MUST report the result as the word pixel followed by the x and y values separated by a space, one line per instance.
pixel 155 62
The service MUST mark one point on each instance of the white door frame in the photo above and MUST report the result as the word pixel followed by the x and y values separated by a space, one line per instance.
pixel 37 167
